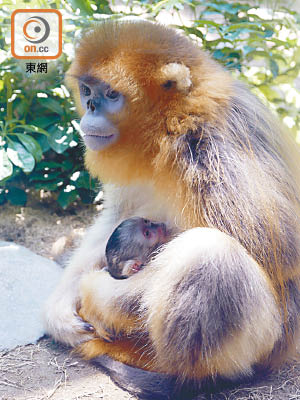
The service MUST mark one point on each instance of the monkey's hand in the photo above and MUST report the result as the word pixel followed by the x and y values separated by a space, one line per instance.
pixel 101 330
pixel 62 321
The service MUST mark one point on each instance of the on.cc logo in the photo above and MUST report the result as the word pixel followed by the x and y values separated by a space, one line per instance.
pixel 38 28
pixel 36 34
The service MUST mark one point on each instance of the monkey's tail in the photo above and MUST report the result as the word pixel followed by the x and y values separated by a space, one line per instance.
pixel 143 384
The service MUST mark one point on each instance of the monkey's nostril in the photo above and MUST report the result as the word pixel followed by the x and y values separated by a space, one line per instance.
pixel 90 105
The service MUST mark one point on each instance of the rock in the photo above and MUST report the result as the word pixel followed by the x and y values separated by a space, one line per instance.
pixel 26 281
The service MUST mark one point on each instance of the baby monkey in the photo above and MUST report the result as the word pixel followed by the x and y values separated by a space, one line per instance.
pixel 132 244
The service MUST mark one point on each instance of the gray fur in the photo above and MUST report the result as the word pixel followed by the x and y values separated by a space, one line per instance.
pixel 244 184
pixel 143 384
pixel 210 303
pixel 245 189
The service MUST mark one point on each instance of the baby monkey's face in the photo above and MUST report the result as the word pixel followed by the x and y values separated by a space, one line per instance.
pixel 132 244
pixel 147 236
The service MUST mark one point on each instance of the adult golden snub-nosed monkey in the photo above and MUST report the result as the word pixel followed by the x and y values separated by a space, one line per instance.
pixel 174 138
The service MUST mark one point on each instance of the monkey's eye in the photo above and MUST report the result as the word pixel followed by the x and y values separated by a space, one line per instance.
pixel 168 84
pixel 147 234
pixel 146 222
pixel 86 91
pixel 112 94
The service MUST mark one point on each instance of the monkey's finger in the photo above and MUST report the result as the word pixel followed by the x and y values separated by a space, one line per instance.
pixel 107 339
pixel 88 327
pixel 102 331
pixel 105 334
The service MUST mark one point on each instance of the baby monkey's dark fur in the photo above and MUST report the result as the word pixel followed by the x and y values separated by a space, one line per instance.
pixel 132 244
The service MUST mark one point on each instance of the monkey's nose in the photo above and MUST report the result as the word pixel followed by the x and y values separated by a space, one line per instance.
pixel 90 105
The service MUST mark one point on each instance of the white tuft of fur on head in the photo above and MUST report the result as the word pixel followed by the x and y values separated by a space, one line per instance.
pixel 178 73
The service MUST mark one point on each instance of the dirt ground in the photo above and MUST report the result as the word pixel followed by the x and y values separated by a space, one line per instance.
pixel 47 370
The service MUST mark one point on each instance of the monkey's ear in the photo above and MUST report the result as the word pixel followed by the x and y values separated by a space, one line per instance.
pixel 176 75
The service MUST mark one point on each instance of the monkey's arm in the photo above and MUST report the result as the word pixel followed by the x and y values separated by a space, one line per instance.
pixel 108 302
pixel 60 316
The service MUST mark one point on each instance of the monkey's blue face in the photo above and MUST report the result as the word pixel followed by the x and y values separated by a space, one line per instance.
pixel 99 101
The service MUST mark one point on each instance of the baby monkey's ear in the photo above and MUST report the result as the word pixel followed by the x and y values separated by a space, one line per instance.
pixel 176 75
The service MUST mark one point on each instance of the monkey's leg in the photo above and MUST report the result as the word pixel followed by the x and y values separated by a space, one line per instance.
pixel 208 307
pixel 211 308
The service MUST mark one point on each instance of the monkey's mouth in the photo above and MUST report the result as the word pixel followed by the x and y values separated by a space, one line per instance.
pixel 136 268
pixel 97 143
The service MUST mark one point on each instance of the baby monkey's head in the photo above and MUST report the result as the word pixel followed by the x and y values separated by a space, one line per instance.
pixel 132 244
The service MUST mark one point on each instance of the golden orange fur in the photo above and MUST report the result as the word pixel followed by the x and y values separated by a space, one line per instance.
pixel 139 74
pixel 130 351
